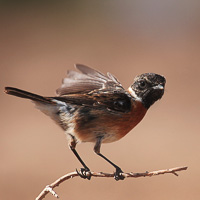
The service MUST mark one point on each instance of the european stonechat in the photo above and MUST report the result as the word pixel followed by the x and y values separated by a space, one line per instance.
pixel 93 107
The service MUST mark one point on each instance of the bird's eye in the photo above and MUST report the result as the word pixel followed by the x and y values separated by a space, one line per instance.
pixel 142 84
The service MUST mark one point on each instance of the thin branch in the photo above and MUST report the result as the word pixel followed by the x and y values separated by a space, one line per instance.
pixel 49 188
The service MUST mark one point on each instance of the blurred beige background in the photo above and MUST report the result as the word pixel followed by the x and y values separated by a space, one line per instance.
pixel 40 40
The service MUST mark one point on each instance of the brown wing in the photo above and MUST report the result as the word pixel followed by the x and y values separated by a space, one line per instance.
pixel 92 88
pixel 86 81
pixel 120 102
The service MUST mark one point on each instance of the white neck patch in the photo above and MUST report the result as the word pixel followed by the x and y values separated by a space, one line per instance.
pixel 134 95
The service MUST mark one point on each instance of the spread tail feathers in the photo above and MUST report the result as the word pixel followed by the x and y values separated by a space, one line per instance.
pixel 27 95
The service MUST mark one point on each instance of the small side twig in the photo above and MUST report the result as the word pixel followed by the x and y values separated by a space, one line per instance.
pixel 49 188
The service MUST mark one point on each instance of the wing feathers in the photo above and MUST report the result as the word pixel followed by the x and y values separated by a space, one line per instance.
pixel 87 80
pixel 85 88
pixel 90 72
pixel 113 78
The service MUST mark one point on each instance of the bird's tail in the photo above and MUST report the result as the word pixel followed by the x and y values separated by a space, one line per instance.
pixel 27 95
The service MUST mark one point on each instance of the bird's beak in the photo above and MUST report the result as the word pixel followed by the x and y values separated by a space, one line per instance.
pixel 159 87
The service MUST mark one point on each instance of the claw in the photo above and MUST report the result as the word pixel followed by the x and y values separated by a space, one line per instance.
pixel 83 173
pixel 118 174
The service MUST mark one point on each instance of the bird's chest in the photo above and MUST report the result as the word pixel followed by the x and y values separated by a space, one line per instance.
pixel 129 120
pixel 109 125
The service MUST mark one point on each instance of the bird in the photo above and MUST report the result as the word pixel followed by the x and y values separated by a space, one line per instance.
pixel 94 107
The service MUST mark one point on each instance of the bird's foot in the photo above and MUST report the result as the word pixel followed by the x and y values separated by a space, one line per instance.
pixel 84 173
pixel 118 174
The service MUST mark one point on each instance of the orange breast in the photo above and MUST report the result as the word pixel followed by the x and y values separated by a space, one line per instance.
pixel 129 120
pixel 110 125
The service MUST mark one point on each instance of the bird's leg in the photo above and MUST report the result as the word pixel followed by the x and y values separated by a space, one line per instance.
pixel 85 169
pixel 118 175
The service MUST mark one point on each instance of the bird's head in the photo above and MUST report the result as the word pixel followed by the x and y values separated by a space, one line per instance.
pixel 147 88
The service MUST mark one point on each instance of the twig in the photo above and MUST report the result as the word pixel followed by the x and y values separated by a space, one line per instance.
pixel 49 188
